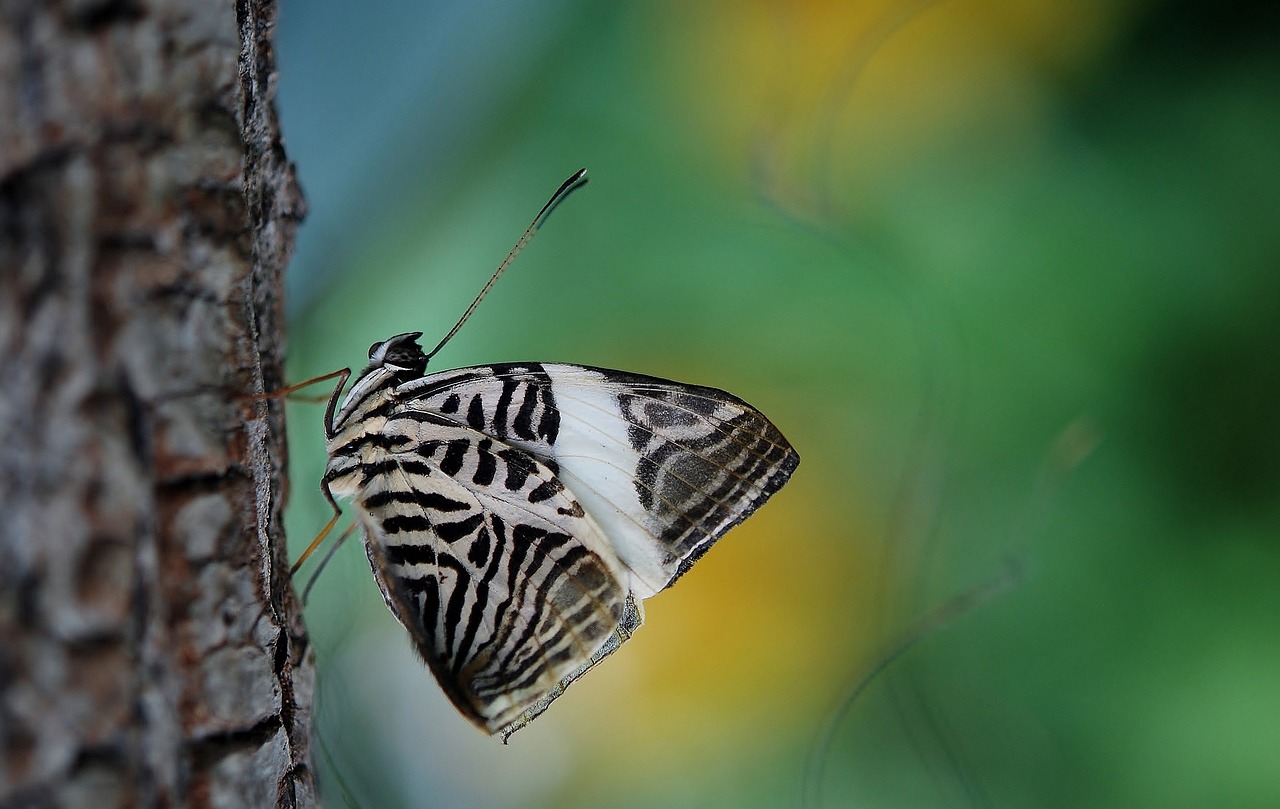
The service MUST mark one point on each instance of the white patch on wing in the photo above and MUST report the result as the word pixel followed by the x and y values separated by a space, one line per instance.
pixel 598 464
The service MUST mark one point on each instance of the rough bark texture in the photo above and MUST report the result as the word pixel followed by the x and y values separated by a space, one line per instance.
pixel 150 644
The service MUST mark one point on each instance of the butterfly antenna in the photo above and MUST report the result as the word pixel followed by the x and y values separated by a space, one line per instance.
pixel 566 188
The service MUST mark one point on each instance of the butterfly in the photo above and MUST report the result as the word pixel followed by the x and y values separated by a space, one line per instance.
pixel 517 514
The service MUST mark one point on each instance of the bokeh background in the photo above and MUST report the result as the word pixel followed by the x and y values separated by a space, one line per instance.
pixel 1006 272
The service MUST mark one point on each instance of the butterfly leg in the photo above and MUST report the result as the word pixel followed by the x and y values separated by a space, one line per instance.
pixel 297 386
pixel 324 561
pixel 324 532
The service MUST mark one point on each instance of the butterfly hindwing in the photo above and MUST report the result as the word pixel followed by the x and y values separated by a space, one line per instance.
pixel 506 587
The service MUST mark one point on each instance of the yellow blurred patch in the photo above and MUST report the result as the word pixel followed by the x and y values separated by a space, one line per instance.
pixel 752 644
pixel 820 96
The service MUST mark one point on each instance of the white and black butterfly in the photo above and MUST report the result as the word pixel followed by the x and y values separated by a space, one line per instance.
pixel 516 515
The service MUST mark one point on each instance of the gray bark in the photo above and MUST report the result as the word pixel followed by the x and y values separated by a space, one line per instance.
pixel 151 649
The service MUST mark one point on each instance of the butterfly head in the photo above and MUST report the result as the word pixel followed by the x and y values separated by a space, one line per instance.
pixel 400 354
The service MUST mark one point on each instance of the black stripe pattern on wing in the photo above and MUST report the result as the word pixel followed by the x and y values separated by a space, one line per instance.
pixel 492 564
pixel 706 462
pixel 506 400
pixel 481 550
pixel 700 460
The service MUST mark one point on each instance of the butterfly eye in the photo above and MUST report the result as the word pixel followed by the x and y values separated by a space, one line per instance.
pixel 373 348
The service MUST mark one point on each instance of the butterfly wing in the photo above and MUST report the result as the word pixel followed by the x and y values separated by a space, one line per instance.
pixel 664 468
pixel 516 514
pixel 506 586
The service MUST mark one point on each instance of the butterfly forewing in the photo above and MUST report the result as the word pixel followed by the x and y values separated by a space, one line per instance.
pixel 663 467
pixel 516 514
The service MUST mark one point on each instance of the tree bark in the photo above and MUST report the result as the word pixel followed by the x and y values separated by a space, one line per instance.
pixel 151 648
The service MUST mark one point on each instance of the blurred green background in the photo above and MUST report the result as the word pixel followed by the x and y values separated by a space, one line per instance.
pixel 1006 273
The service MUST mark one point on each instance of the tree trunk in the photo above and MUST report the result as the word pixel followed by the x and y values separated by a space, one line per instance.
pixel 151 649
